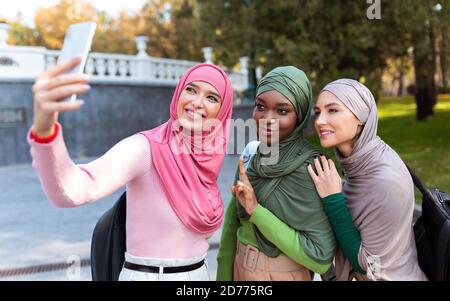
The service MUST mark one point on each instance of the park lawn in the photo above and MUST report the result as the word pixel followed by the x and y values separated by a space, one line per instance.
pixel 424 145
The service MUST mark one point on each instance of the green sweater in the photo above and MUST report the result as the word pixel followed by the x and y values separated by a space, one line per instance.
pixel 280 234
pixel 345 231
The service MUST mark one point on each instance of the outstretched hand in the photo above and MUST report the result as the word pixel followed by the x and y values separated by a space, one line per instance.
pixel 243 190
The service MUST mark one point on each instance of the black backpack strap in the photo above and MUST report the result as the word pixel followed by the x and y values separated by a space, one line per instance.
pixel 422 188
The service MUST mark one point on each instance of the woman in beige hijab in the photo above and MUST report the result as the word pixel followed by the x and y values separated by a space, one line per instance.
pixel 371 212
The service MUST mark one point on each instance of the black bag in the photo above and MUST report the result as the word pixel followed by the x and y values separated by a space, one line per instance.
pixel 432 232
pixel 108 244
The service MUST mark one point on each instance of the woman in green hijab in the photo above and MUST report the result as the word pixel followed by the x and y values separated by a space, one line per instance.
pixel 275 227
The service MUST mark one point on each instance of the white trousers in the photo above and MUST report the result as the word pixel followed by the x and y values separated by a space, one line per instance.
pixel 200 274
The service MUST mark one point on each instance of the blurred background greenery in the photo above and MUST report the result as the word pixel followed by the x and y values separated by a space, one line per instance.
pixel 394 47
pixel 398 48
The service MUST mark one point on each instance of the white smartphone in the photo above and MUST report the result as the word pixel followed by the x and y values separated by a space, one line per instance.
pixel 77 42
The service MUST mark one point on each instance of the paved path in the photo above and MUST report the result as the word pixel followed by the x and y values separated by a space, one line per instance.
pixel 35 233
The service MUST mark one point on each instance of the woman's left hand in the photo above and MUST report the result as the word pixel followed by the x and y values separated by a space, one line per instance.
pixel 327 179
pixel 243 190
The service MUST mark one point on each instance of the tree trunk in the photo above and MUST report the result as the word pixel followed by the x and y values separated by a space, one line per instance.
pixel 424 66
pixel 432 43
pixel 443 56
pixel 425 92
pixel 401 77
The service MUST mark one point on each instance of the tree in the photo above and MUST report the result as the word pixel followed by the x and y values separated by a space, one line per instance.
pixel 171 25
pixel 187 39
pixel 156 23
pixel 52 22
pixel 443 25
pixel 420 27
pixel 22 35
pixel 116 35
pixel 326 39
pixel 329 40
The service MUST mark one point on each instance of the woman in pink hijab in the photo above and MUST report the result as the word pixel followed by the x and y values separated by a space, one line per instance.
pixel 170 172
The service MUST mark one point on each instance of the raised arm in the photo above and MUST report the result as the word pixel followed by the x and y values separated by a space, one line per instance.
pixel 68 185
pixel 65 183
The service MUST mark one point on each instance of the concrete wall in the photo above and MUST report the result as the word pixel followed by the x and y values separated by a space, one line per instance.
pixel 110 113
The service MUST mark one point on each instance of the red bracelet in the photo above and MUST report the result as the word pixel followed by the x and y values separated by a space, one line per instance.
pixel 47 139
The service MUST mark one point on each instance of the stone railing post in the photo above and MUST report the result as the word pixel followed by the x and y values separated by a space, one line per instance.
pixel 141 45
pixel 243 64
pixel 4 32
pixel 208 54
pixel 143 63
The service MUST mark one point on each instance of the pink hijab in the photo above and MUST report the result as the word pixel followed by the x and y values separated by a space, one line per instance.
pixel 190 177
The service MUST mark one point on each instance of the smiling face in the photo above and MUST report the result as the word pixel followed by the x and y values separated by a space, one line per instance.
pixel 275 117
pixel 198 106
pixel 335 124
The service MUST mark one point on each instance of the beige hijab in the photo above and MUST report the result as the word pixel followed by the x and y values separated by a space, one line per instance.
pixel 380 196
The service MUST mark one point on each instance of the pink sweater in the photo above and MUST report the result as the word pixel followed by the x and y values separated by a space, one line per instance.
pixel 152 227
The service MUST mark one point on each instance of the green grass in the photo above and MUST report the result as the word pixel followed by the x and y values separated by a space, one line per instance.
pixel 424 145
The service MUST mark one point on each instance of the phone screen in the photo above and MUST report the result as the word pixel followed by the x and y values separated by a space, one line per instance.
pixel 77 42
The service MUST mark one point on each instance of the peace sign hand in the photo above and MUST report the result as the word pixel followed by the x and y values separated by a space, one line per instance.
pixel 244 191
pixel 327 179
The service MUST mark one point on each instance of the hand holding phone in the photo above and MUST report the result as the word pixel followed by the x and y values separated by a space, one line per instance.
pixel 63 81
pixel 77 43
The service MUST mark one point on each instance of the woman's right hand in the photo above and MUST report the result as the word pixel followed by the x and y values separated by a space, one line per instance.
pixel 49 89
pixel 327 179
pixel 243 190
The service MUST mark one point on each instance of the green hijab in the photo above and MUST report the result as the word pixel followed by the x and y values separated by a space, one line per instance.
pixel 285 188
